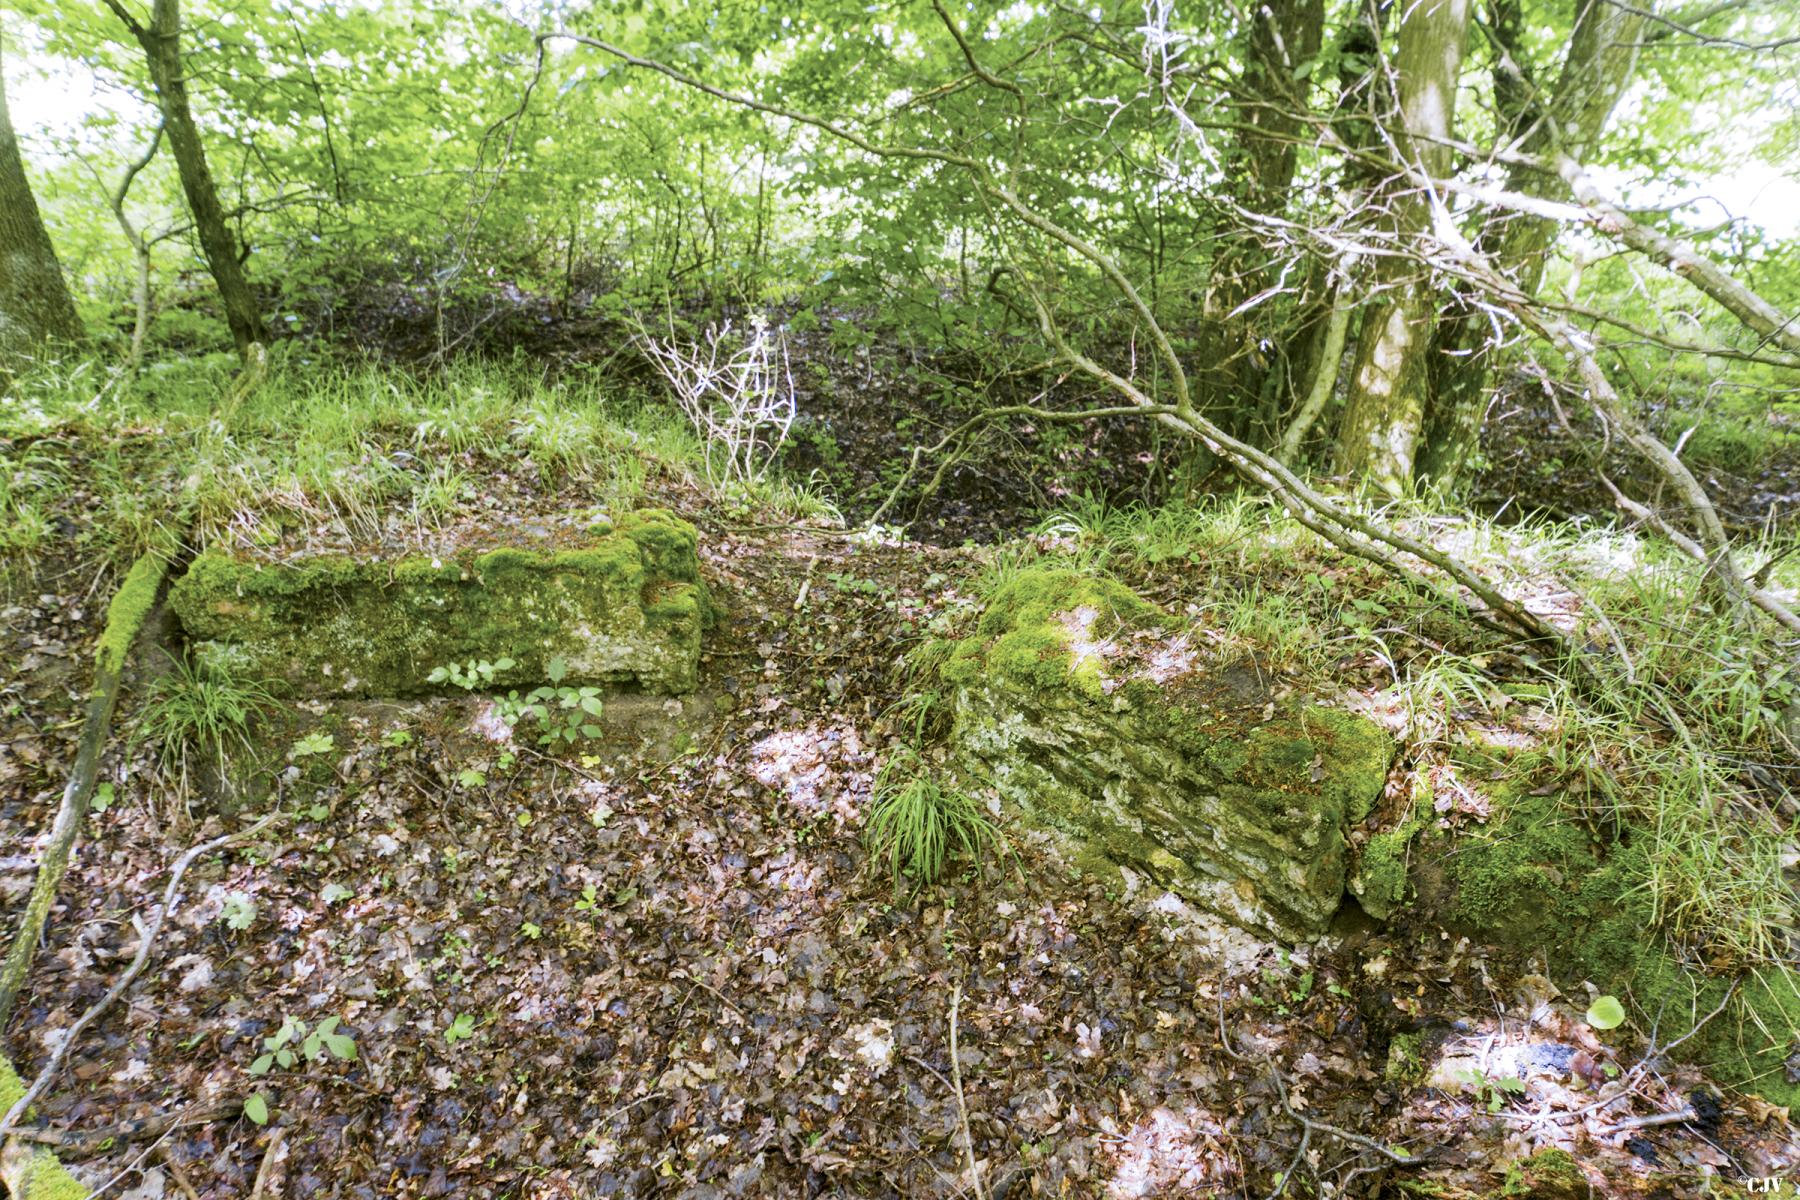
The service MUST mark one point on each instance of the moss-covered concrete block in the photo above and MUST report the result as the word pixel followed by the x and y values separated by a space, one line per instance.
pixel 1086 707
pixel 625 603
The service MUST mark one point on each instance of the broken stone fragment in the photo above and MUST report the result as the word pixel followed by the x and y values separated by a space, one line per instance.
pixel 624 604
pixel 1078 700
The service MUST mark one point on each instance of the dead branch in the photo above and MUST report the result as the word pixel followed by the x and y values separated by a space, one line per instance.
pixel 125 617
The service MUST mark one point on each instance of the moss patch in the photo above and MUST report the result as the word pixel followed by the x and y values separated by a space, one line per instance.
pixel 1405 1060
pixel 32 1173
pixel 1549 1174
pixel 125 615
pixel 1538 880
pixel 627 605
pixel 1083 704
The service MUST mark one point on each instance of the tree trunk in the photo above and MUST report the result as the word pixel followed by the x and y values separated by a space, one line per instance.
pixel 1390 382
pixel 1285 34
pixel 162 51
pixel 34 297
pixel 1601 58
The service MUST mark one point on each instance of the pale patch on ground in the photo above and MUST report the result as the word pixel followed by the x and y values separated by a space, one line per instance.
pixel 873 1043
pixel 812 766
pixel 1169 660
pixel 1168 1153
pixel 488 724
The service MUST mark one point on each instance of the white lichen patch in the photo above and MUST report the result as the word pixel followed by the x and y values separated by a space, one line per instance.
pixel 1085 649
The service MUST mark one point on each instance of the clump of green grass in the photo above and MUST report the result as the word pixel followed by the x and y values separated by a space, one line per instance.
pixel 917 824
pixel 199 709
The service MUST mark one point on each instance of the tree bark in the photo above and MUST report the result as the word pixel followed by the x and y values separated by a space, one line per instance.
pixel 1390 382
pixel 34 297
pixel 161 42
pixel 1598 67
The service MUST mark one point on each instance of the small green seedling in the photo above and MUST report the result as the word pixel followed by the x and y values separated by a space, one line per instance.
pixel 239 911
pixel 1606 1013
pixel 311 744
pixel 1490 1091
pixel 294 1043
pixel 461 1029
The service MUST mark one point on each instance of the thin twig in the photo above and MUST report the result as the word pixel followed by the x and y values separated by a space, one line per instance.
pixel 962 1107
pixel 265 1174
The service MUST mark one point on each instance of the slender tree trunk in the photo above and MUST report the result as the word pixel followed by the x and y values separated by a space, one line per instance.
pixel 161 42
pixel 1385 412
pixel 1602 56
pixel 1324 376
pixel 34 297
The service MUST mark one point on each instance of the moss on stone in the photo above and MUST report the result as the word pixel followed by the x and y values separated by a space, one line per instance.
pixel 1379 883
pixel 1240 808
pixel 1550 1174
pixel 627 605
pixel 1405 1060
pixel 1539 881
pixel 126 613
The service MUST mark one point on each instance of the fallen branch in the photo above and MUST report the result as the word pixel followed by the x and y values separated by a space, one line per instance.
pixel 1680 1116
pixel 124 618
pixel 265 1174
pixel 81 1143
pixel 138 962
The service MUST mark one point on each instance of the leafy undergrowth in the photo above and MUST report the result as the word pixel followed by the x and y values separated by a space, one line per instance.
pixel 636 971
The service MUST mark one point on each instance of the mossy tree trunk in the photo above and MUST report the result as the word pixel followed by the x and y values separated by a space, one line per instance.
pixel 1390 382
pixel 34 298
pixel 1601 60
pixel 161 42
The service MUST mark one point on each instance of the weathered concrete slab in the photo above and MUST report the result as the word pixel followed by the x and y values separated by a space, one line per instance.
pixel 621 603
pixel 1087 708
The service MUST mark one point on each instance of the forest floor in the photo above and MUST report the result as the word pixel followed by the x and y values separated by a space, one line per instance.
pixel 662 966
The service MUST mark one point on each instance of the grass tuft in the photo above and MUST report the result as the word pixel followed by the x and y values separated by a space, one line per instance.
pixel 196 709
pixel 917 825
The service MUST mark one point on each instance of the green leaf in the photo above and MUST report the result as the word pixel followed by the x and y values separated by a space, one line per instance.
pixel 1606 1013
pixel 103 797
pixel 557 669
pixel 591 706
pixel 262 1065
pixel 333 892
pixel 257 1108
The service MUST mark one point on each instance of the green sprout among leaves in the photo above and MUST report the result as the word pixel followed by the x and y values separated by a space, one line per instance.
pixel 293 1043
